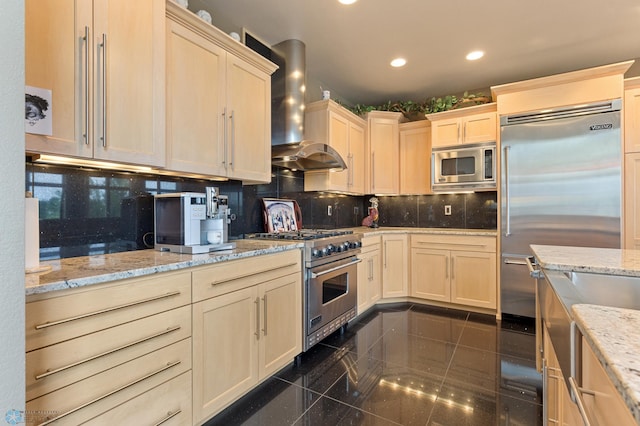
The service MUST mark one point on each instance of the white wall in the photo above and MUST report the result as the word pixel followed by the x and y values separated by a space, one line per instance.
pixel 12 186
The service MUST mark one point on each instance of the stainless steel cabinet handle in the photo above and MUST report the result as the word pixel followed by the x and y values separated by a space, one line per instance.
pixel 370 269
pixel 507 195
pixel 85 39
pixel 257 332
pixel 319 274
pixel 385 255
pixel 109 352
pixel 224 142
pixel 276 267
pixel 100 398
pixel 446 267
pixel 464 132
pixel 577 392
pixel 104 90
pixel 264 315
pixel 453 268
pixel 102 311
pixel 168 417
pixel 232 117
pixel 458 128
pixel 373 170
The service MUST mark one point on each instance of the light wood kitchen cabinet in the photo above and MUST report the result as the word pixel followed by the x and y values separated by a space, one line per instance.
pixel 383 148
pixel 259 303
pixel 415 157
pixel 461 126
pixel 104 63
pixel 454 269
pixel 632 201
pixel 89 350
pixel 395 271
pixel 632 115
pixel 218 111
pixel 602 400
pixel 369 273
pixel 328 122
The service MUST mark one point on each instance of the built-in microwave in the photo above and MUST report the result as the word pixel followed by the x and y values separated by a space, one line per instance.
pixel 464 167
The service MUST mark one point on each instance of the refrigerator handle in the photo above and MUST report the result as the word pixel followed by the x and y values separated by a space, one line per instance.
pixel 507 207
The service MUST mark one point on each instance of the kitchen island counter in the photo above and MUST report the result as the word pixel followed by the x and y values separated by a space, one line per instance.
pixel 588 259
pixel 614 336
pixel 88 270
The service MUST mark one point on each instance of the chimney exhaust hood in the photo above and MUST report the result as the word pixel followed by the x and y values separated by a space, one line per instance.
pixel 288 147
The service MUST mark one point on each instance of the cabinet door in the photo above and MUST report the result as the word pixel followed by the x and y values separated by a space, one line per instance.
pixel 224 357
pixel 415 160
pixel 632 120
pixel 58 58
pixel 339 140
pixel 384 156
pixel 281 323
pixel 395 274
pixel 479 128
pixel 445 132
pixel 129 42
pixel 369 288
pixel 430 274
pixel 473 279
pixel 632 201
pixel 195 102
pixel 356 158
pixel 248 122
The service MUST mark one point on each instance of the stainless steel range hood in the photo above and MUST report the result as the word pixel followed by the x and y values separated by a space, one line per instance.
pixel 288 147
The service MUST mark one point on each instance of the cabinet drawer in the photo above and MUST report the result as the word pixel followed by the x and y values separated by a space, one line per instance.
pixel 371 243
pixel 88 398
pixel 168 404
pixel 53 367
pixel 454 242
pixel 211 281
pixel 54 320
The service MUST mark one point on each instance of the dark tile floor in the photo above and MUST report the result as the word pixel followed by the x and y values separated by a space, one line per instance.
pixel 409 365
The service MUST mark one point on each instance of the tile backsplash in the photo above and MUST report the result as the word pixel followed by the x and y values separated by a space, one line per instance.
pixel 88 211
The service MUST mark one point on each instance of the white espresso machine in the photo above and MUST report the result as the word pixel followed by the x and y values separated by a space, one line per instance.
pixel 192 222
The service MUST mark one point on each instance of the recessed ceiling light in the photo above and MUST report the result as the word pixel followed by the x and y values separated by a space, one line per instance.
pixel 398 62
pixel 347 1
pixel 476 54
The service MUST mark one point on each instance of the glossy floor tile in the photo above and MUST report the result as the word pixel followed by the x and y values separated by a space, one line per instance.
pixel 405 365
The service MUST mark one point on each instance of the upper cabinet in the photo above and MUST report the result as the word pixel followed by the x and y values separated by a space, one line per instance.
pixel 383 148
pixel 415 157
pixel 467 125
pixel 218 102
pixel 330 123
pixel 632 115
pixel 104 63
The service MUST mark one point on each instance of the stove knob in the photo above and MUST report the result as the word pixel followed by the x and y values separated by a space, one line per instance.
pixel 346 246
pixel 330 248
pixel 324 251
pixel 316 253
pixel 356 244
pixel 339 248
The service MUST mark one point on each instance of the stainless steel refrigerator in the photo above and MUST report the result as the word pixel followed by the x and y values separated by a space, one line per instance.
pixel 561 184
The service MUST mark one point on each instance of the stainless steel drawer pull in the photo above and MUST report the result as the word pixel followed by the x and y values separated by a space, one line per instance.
pixel 109 352
pixel 168 417
pixel 106 395
pixel 104 311
pixel 577 392
pixel 262 271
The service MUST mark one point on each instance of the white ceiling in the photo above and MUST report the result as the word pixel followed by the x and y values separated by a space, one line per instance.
pixel 348 48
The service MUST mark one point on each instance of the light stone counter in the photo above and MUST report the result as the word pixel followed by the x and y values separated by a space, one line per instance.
pixel 589 259
pixel 614 335
pixel 366 231
pixel 87 270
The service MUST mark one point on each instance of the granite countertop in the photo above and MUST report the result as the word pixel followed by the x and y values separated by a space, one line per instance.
pixel 614 335
pixel 87 270
pixel 589 259
pixel 366 231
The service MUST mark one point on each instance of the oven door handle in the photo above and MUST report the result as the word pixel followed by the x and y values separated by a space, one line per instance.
pixel 316 275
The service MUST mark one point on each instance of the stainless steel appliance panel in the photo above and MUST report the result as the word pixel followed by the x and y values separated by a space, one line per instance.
pixel 560 185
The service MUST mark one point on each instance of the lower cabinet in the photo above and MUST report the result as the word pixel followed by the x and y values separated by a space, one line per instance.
pixel 369 281
pixel 248 332
pixel 454 269
pixel 395 271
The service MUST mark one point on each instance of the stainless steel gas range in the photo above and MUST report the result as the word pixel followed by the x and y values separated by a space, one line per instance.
pixel 330 279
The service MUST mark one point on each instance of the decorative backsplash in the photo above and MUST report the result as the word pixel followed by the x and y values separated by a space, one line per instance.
pixel 88 211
